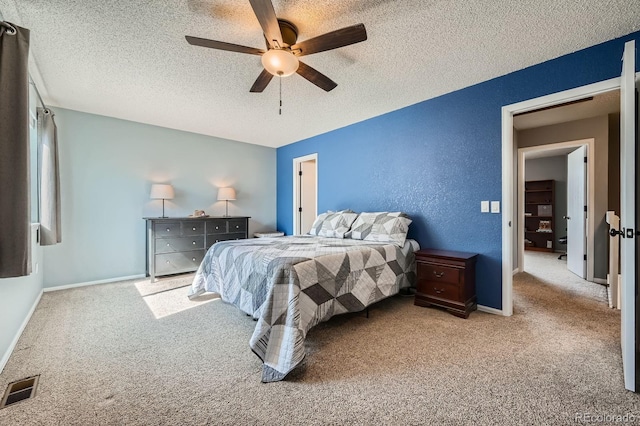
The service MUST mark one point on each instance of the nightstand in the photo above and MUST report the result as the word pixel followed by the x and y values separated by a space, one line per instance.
pixel 446 279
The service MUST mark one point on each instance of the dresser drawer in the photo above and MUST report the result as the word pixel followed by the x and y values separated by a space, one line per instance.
pixel 166 229
pixel 170 263
pixel 192 228
pixel 237 225
pixel 438 273
pixel 212 239
pixel 170 245
pixel 441 290
pixel 216 227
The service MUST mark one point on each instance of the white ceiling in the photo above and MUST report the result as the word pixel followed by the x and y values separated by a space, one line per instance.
pixel 129 59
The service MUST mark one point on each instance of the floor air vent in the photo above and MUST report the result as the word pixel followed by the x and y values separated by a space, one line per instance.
pixel 19 391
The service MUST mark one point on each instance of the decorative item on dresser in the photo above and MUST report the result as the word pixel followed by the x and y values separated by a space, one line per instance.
pixel 446 279
pixel 178 244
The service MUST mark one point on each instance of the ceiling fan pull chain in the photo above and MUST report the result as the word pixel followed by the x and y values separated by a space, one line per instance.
pixel 280 110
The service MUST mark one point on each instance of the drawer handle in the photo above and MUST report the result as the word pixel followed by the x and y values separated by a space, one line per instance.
pixel 217 241
pixel 193 228
pixel 193 242
pixel 237 226
pixel 168 261
pixel 438 291
pixel 193 258
pixel 168 229
pixel 167 244
pixel 216 227
pixel 438 275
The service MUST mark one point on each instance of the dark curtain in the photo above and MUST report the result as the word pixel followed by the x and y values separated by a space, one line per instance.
pixel 50 229
pixel 15 239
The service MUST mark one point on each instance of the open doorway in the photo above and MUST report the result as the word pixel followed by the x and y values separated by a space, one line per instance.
pixel 305 193
pixel 543 115
pixel 556 199
pixel 568 144
pixel 628 86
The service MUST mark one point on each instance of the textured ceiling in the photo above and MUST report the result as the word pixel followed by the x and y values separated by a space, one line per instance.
pixel 129 59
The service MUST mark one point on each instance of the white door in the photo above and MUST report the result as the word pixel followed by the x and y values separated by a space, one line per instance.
pixel 307 195
pixel 576 212
pixel 628 118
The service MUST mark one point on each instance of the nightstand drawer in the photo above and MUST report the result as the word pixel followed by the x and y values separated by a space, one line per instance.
pixel 440 290
pixel 166 229
pixel 170 263
pixel 170 245
pixel 438 273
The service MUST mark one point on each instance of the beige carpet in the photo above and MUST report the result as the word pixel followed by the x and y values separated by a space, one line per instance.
pixel 107 358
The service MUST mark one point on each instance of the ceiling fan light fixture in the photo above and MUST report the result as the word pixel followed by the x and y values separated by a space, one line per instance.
pixel 280 62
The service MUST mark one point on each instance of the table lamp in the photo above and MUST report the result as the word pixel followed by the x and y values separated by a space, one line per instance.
pixel 226 194
pixel 162 192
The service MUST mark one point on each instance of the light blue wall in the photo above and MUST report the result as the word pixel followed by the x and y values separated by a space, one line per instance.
pixel 438 159
pixel 106 168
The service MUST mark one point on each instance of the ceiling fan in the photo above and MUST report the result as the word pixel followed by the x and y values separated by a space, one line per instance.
pixel 283 50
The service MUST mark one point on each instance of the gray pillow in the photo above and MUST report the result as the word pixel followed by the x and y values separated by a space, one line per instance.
pixel 386 227
pixel 332 224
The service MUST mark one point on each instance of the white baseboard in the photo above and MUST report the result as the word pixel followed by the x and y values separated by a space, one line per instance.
pixel 107 281
pixel 14 342
pixel 600 281
pixel 489 310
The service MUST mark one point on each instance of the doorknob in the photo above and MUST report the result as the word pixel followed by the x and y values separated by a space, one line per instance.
pixel 615 232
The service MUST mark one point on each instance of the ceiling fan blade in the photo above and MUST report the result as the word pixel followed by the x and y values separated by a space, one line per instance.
pixel 261 82
pixel 316 77
pixel 332 40
pixel 268 21
pixel 221 45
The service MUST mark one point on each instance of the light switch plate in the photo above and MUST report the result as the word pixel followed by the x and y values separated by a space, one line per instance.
pixel 495 207
pixel 484 207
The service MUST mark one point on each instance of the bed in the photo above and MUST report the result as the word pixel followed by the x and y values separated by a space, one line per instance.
pixel 290 284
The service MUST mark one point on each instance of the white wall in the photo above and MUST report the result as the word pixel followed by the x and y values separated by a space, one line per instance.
pixel 106 168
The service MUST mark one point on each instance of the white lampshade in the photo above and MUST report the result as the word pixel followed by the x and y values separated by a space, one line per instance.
pixel 161 192
pixel 225 194
pixel 280 62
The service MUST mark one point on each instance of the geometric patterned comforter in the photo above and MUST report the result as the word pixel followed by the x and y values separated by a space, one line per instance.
pixel 290 284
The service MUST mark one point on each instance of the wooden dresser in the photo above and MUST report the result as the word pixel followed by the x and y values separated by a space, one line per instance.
pixel 446 279
pixel 178 244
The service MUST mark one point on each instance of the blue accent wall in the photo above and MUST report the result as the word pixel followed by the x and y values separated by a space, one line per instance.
pixel 436 160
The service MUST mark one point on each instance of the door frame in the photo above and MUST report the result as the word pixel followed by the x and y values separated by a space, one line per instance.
pixel 591 173
pixel 296 188
pixel 508 173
